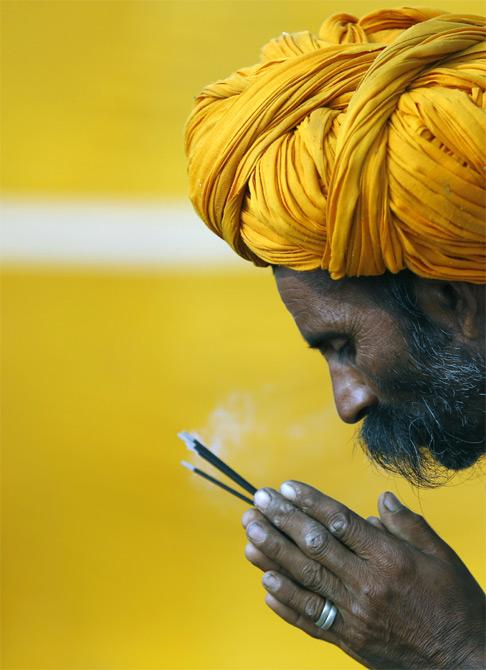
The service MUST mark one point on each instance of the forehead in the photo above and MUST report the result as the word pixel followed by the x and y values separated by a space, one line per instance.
pixel 315 291
pixel 318 302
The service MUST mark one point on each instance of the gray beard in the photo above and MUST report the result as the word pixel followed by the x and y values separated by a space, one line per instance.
pixel 442 429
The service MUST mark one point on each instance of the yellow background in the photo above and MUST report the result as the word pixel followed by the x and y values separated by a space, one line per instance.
pixel 112 556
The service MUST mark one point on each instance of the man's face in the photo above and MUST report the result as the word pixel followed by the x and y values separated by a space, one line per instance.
pixel 419 389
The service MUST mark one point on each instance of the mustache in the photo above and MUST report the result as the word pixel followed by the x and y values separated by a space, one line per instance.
pixel 433 423
pixel 431 418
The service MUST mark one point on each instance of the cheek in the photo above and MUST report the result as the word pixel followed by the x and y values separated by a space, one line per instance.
pixel 384 359
pixel 393 377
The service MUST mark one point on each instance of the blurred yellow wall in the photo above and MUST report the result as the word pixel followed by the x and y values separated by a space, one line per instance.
pixel 112 557
pixel 95 93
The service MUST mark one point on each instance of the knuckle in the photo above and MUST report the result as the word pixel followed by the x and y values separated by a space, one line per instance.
pixel 373 595
pixel 311 575
pixel 312 607
pixel 294 600
pixel 339 523
pixel 308 502
pixel 368 592
pixel 275 549
pixel 284 515
pixel 316 541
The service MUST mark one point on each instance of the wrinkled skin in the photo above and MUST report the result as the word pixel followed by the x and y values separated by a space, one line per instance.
pixel 404 598
pixel 362 341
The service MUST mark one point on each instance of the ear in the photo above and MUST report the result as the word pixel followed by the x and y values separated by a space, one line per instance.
pixel 458 306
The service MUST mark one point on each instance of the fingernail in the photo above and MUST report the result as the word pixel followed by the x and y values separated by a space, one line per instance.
pixel 262 499
pixel 271 581
pixel 256 532
pixel 288 491
pixel 391 502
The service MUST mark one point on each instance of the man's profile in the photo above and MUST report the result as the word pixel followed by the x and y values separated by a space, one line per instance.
pixel 353 162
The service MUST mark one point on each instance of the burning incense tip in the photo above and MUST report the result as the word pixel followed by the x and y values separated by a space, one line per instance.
pixel 193 444
pixel 188 439
pixel 187 465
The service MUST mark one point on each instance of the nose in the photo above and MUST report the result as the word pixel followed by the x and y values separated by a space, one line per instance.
pixel 352 394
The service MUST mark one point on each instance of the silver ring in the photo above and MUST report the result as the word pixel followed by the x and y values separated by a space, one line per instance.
pixel 328 614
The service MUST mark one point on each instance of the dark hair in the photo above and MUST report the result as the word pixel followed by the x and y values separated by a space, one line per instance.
pixel 442 429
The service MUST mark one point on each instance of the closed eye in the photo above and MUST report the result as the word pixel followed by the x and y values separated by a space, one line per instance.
pixel 335 345
pixel 345 350
pixel 341 347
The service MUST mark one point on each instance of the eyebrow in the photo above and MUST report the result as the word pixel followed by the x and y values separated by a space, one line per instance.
pixel 319 339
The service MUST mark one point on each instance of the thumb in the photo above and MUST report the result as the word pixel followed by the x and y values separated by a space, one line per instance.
pixel 410 527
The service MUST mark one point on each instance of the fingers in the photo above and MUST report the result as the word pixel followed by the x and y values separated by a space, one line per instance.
pixel 335 635
pixel 310 536
pixel 375 521
pixel 249 516
pixel 301 620
pixel 410 527
pixel 252 553
pixel 259 560
pixel 282 551
pixel 363 538
pixel 303 602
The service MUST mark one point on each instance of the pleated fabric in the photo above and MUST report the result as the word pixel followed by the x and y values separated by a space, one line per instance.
pixel 358 150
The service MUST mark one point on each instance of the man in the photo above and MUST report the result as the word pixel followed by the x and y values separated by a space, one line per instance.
pixel 353 163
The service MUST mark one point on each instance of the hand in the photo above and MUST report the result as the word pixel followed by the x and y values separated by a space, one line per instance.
pixel 404 598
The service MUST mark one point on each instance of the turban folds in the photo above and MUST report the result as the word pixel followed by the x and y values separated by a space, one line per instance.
pixel 357 150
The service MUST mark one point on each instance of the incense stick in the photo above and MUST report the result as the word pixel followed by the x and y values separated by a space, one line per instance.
pixel 195 445
pixel 201 473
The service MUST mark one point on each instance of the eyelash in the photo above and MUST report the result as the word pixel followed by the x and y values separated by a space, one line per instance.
pixel 345 351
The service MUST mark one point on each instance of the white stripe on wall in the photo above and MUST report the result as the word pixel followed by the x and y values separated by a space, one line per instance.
pixel 109 233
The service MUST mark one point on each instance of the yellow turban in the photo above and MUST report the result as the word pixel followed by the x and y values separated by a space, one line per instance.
pixel 359 150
